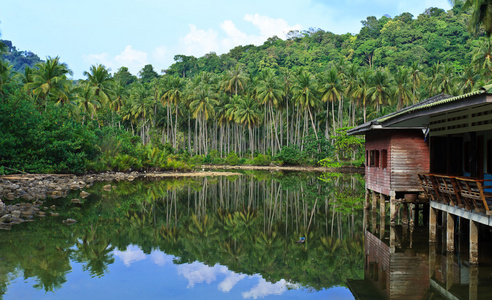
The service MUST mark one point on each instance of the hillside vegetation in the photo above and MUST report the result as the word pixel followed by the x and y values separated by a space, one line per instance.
pixel 284 102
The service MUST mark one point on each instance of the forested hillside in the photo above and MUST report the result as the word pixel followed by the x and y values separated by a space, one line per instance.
pixel 287 101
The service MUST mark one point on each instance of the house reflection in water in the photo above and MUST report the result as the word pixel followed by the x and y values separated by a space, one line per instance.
pixel 401 264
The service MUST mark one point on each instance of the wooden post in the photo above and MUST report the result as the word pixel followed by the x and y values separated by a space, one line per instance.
pixel 374 202
pixel 392 239
pixel 432 259
pixel 473 287
pixel 392 209
pixel 473 243
pixel 413 210
pixel 404 215
pixel 450 233
pixel 432 224
pixel 449 270
pixel 382 215
pixel 417 212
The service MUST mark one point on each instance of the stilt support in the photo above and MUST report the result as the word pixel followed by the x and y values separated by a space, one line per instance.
pixel 450 233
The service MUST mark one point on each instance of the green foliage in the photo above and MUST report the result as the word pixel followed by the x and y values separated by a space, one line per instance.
pixel 290 155
pixel 42 142
pixel 262 160
pixel 232 159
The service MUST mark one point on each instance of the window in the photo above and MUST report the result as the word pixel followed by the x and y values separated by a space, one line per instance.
pixel 384 159
pixel 377 158
pixel 367 157
pixel 372 160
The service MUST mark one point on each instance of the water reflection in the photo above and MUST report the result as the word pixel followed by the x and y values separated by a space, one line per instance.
pixel 400 263
pixel 238 232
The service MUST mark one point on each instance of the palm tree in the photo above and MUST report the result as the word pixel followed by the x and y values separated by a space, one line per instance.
pixel 174 94
pixel 416 78
pixel 270 94
pixel 50 79
pixel 248 114
pixel 101 83
pixel 481 15
pixel 446 79
pixel 380 89
pixel 361 90
pixel 305 94
pixel 202 107
pixel 234 80
pixel 482 57
pixel 87 103
pixel 403 89
pixel 331 90
pixel 468 78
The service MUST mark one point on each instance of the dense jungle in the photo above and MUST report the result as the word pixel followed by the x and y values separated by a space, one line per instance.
pixel 286 102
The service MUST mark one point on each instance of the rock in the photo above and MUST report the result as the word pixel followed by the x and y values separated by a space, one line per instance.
pixel 75 201
pixel 84 194
pixel 107 187
pixel 6 218
pixel 53 214
pixel 16 214
pixel 69 221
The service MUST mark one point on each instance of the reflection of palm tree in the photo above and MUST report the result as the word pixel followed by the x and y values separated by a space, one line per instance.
pixel 94 250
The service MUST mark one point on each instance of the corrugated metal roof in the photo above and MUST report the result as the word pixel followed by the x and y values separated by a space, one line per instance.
pixel 427 103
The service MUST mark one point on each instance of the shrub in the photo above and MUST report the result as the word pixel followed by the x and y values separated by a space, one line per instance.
pixel 232 159
pixel 262 160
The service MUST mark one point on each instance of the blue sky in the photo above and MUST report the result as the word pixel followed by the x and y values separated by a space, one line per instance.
pixel 134 33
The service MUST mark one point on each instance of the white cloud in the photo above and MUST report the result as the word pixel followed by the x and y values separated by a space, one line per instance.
pixel 264 288
pixel 134 59
pixel 230 281
pixel 269 27
pixel 198 41
pixel 130 255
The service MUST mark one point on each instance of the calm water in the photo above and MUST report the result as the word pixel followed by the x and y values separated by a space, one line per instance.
pixel 205 238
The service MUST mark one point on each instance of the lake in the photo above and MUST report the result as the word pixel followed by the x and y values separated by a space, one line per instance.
pixel 206 238
pixel 235 237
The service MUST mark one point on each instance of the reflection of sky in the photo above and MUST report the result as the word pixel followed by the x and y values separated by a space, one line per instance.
pixel 135 274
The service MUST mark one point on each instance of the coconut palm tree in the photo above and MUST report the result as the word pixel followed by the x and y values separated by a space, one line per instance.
pixel 361 90
pixel 468 78
pixel 248 115
pixel 481 15
pixel 87 102
pixel 381 88
pixel 306 94
pixel 270 93
pixel 331 91
pixel 174 95
pixel 202 107
pixel 234 80
pixel 101 83
pixel 403 89
pixel 49 81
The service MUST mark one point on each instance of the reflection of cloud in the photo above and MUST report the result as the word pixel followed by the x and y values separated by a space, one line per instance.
pixel 160 258
pixel 264 288
pixel 130 255
pixel 197 273
pixel 230 281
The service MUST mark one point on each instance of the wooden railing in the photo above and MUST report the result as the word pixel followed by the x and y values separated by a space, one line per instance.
pixel 463 192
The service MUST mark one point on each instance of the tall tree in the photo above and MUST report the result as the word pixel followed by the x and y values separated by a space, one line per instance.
pixel 50 80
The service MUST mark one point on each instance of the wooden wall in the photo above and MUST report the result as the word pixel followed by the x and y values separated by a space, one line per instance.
pixel 407 155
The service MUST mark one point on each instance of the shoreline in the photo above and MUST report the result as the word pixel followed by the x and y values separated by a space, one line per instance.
pixel 285 168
